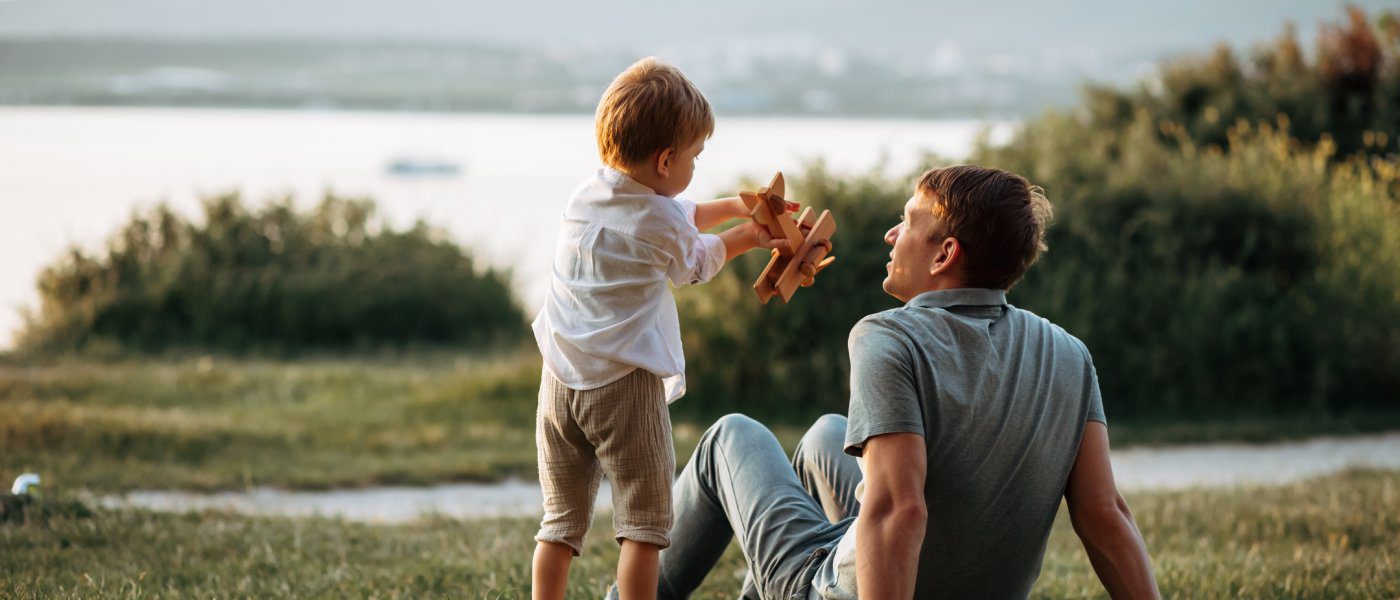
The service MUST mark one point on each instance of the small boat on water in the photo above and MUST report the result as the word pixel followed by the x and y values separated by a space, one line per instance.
pixel 423 167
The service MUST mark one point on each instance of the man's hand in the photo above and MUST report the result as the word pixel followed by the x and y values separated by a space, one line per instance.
pixel 1105 525
pixel 893 515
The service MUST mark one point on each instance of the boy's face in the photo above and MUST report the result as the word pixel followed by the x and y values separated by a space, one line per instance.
pixel 678 166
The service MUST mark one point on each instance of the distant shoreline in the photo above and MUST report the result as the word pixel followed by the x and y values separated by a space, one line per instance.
pixel 454 77
pixel 352 109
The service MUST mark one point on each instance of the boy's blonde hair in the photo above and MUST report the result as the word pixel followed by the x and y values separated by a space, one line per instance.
pixel 651 106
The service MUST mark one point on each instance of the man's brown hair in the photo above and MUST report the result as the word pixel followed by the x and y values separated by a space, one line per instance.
pixel 649 107
pixel 998 217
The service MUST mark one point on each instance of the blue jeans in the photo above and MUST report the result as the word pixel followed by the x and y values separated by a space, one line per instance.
pixel 788 515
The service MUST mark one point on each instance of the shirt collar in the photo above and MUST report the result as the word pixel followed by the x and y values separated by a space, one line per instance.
pixel 960 297
pixel 621 182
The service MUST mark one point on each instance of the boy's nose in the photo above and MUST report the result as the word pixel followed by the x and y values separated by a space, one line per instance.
pixel 892 235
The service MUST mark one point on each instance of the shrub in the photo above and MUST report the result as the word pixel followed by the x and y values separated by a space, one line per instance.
pixel 1347 90
pixel 272 279
pixel 1257 278
pixel 1226 244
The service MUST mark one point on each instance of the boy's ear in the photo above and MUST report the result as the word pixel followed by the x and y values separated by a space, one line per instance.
pixel 663 161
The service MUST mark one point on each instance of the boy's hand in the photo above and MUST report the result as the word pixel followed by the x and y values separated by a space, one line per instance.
pixel 745 237
pixel 763 239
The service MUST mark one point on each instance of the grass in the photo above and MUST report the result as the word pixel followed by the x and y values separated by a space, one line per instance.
pixel 1337 537
pixel 206 424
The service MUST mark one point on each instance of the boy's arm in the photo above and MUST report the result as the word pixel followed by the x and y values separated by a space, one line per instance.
pixel 691 262
pixel 715 212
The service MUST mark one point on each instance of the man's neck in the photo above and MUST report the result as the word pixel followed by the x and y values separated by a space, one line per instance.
pixel 938 284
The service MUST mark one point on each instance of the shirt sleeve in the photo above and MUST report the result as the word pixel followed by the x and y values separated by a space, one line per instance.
pixel 884 395
pixel 1095 397
pixel 695 257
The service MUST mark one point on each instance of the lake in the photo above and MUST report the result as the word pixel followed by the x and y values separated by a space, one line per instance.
pixel 73 175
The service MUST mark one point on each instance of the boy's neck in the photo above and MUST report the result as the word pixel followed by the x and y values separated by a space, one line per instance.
pixel 640 175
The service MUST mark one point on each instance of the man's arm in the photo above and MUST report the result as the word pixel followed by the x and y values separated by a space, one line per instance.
pixel 1104 523
pixel 893 514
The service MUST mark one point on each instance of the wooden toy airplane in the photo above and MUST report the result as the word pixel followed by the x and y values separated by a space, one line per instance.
pixel 809 242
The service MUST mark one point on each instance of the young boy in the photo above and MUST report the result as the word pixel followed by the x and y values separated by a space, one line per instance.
pixel 609 332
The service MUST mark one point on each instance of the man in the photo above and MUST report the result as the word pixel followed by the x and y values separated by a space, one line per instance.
pixel 972 418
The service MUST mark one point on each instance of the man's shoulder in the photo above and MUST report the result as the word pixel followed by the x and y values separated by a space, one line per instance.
pixel 1036 324
pixel 886 324
pixel 909 326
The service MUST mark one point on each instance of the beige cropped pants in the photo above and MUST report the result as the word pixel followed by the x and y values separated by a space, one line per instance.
pixel 623 430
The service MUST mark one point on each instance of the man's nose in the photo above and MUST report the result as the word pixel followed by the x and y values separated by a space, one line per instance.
pixel 892 235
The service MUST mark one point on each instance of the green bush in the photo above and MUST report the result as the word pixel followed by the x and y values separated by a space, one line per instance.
pixel 1347 90
pixel 270 280
pixel 1257 279
pixel 1227 245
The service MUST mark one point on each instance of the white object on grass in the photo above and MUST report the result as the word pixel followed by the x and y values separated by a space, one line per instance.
pixel 23 483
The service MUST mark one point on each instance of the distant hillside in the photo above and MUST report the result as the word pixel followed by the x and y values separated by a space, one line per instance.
pixel 453 76
pixel 994 58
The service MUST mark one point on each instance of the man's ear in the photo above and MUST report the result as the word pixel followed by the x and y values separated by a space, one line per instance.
pixel 949 253
pixel 663 161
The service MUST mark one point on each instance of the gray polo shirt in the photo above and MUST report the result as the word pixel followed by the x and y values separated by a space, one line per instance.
pixel 1001 397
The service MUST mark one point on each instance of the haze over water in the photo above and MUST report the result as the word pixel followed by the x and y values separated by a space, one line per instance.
pixel 74 175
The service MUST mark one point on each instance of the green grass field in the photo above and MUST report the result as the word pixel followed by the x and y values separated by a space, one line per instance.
pixel 1337 537
pixel 218 424
pixel 204 424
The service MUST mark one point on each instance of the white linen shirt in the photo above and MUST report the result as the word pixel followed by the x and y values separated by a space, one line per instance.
pixel 609 310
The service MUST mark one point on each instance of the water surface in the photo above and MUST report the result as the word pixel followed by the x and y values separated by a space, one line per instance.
pixel 73 175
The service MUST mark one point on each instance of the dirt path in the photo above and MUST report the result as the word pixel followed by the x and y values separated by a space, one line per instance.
pixel 1173 468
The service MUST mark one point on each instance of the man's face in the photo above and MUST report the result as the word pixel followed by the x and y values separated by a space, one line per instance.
pixel 913 253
